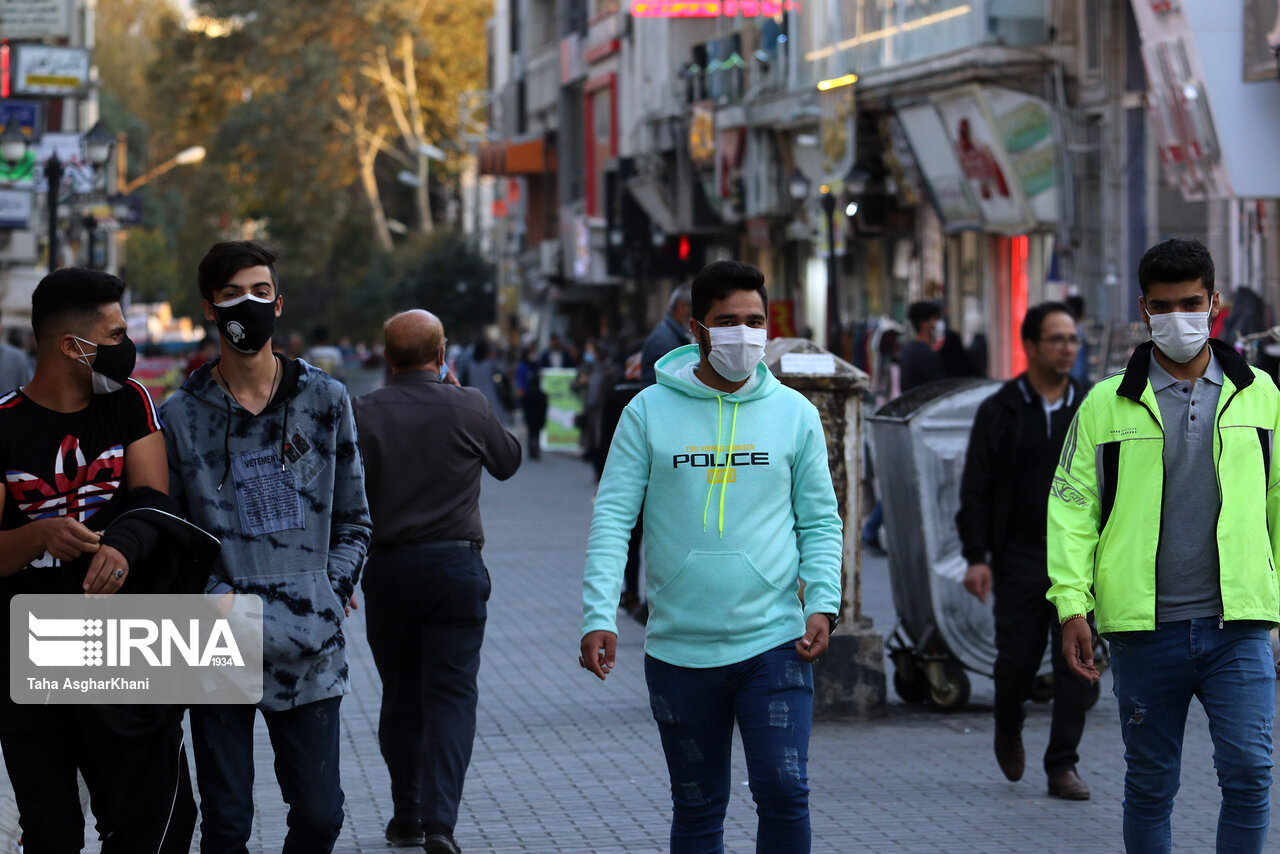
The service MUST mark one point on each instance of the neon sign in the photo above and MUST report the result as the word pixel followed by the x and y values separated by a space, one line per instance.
pixel 711 8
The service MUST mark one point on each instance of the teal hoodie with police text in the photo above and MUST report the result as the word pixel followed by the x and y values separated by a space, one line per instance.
pixel 738 510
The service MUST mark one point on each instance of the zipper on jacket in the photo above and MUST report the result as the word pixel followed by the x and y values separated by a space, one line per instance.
pixel 1217 474
pixel 1155 597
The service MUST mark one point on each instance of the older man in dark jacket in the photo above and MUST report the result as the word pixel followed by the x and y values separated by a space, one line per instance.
pixel 1013 449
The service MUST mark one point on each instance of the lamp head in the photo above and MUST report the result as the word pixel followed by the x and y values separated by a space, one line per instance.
pixel 97 144
pixel 13 144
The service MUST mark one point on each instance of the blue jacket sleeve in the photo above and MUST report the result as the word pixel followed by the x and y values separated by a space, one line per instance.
pixel 350 527
pixel 618 502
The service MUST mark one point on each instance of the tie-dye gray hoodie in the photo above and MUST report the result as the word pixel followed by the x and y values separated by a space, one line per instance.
pixel 284 492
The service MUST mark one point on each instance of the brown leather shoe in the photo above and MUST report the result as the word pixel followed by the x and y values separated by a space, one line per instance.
pixel 1010 754
pixel 1068 786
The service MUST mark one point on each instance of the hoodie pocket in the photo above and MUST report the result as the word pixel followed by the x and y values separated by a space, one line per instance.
pixel 301 614
pixel 723 587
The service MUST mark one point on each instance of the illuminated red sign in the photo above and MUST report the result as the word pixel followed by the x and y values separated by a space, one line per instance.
pixel 711 8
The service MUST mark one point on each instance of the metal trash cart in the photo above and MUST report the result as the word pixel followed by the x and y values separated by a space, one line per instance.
pixel 918 442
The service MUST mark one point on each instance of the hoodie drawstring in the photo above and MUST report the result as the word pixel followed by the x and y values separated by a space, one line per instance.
pixel 226 448
pixel 724 477
pixel 226 444
pixel 284 435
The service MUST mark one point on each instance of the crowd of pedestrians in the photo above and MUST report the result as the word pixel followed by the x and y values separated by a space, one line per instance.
pixel 1141 510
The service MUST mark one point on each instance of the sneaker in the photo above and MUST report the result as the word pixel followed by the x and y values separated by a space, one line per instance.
pixel 439 843
pixel 873 547
pixel 405 833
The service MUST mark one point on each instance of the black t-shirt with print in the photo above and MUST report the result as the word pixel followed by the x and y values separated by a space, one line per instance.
pixel 65 464
pixel 61 464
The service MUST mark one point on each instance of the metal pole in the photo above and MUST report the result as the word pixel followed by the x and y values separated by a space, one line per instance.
pixel 53 173
pixel 91 226
pixel 833 312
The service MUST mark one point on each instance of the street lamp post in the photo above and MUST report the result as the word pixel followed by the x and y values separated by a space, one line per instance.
pixel 53 174
pixel 97 147
pixel 833 315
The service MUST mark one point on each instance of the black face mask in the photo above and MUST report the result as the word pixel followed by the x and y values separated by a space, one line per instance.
pixel 246 322
pixel 112 364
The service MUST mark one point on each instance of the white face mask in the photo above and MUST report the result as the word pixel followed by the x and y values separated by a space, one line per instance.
pixel 736 350
pixel 1180 335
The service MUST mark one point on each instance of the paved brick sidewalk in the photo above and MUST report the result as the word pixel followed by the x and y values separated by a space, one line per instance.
pixel 564 763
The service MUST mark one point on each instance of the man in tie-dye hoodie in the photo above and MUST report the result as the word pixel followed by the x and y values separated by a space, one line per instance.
pixel 263 455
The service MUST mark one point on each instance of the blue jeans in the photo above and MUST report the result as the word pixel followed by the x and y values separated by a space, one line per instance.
pixel 771 698
pixel 1230 670
pixel 305 741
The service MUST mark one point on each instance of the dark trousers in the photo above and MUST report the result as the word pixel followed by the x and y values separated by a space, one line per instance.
pixel 305 742
pixel 1024 619
pixel 425 606
pixel 133 762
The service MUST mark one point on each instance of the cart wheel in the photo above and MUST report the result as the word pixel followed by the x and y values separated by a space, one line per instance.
pixel 1042 688
pixel 1094 692
pixel 954 692
pixel 912 687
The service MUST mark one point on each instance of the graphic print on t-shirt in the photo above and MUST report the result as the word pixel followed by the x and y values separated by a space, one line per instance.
pixel 79 489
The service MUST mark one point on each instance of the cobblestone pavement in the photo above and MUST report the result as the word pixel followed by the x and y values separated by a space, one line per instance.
pixel 564 763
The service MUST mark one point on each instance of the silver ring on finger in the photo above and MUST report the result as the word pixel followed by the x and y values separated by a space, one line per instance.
pixel 118 574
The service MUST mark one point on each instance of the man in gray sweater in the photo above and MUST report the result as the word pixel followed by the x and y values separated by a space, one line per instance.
pixel 425 444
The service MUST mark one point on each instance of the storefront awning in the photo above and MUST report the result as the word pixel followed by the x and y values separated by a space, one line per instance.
pixel 531 157
pixel 652 197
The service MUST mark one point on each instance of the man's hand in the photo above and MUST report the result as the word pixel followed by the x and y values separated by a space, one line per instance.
pixel 451 379
pixel 107 572
pixel 817 630
pixel 351 605
pixel 1077 648
pixel 977 580
pixel 598 650
pixel 67 539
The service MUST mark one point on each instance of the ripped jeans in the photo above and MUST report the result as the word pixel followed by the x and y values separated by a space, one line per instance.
pixel 771 698
pixel 1230 670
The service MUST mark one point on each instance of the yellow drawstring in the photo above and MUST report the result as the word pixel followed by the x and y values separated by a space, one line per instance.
pixel 711 484
pixel 724 478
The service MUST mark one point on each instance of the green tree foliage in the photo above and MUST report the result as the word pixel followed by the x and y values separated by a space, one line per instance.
pixel 443 273
pixel 262 85
pixel 151 267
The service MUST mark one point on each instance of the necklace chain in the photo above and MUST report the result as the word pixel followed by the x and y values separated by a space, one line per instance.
pixel 270 393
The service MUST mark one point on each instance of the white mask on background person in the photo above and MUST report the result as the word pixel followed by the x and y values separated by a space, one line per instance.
pixel 1180 335
pixel 736 350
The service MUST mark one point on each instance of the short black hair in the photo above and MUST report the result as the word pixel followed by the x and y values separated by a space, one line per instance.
pixel 1033 320
pixel 1175 260
pixel 224 260
pixel 1075 302
pixel 920 313
pixel 72 296
pixel 718 279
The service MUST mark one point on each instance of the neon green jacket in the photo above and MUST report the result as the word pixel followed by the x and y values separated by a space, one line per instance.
pixel 1106 500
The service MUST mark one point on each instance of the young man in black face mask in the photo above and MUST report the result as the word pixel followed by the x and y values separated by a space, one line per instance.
pixel 263 455
pixel 79 443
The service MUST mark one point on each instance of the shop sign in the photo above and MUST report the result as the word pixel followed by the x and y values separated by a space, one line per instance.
pixel 712 8
pixel 50 70
pixel 702 134
pixel 15 209
pixel 35 19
